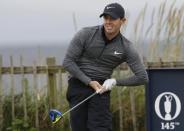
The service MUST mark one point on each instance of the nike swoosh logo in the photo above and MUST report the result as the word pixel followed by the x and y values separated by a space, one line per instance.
pixel 110 7
pixel 117 53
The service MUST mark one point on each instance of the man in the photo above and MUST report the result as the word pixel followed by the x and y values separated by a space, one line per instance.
pixel 91 57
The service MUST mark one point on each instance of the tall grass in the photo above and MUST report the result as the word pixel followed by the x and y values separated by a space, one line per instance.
pixel 18 124
pixel 164 35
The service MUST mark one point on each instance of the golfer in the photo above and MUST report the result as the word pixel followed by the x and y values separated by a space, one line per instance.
pixel 90 59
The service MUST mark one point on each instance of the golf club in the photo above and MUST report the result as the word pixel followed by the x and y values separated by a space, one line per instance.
pixel 56 115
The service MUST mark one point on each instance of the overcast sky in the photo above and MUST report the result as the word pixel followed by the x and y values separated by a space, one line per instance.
pixel 48 21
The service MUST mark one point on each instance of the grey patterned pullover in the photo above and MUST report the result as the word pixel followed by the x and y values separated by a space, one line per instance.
pixel 90 56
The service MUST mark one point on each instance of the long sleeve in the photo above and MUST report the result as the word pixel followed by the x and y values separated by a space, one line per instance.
pixel 73 54
pixel 133 60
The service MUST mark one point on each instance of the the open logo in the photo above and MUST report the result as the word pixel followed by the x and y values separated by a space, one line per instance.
pixel 167 106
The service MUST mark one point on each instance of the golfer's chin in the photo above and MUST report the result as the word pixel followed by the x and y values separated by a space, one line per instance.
pixel 109 32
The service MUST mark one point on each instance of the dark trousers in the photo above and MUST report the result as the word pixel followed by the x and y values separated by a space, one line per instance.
pixel 92 115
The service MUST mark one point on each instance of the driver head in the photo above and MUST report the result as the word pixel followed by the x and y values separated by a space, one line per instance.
pixel 55 115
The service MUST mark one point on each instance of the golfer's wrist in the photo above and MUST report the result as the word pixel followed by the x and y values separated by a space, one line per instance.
pixel 87 81
pixel 95 85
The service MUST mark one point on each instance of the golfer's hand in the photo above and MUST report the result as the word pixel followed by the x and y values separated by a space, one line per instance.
pixel 95 85
pixel 108 85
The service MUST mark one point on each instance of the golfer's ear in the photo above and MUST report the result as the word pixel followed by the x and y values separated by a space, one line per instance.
pixel 123 20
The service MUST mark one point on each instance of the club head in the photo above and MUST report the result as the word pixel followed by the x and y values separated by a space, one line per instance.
pixel 55 115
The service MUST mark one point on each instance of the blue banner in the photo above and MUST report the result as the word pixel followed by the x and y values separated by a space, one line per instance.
pixel 164 100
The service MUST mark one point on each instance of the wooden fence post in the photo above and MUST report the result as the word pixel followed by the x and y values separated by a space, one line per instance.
pixel 24 84
pixel 132 102
pixel 60 88
pixel 12 89
pixel 120 104
pixel 1 96
pixel 52 90
pixel 35 88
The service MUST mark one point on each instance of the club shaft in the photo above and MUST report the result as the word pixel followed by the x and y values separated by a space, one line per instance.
pixel 79 103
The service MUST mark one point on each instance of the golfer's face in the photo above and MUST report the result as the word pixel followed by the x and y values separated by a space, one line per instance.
pixel 112 26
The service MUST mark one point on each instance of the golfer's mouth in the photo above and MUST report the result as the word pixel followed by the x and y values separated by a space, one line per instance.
pixel 108 27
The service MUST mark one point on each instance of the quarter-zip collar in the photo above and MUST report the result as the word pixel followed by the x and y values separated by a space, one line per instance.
pixel 105 38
